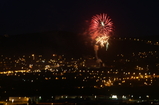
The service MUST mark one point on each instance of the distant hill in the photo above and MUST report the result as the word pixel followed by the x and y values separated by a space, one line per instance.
pixel 67 43
pixel 42 43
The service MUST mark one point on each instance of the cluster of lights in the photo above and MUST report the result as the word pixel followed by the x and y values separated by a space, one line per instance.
pixel 138 40
pixel 59 67
pixel 106 78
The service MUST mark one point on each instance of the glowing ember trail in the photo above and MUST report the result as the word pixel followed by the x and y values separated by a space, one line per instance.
pixel 102 40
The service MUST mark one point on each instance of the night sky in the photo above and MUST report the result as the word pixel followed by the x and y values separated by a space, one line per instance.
pixel 130 17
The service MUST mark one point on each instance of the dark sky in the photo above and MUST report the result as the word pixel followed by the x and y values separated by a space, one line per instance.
pixel 130 17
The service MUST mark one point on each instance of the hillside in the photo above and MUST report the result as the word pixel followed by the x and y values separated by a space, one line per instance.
pixel 69 44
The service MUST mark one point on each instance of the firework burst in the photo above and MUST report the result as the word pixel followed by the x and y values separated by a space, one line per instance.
pixel 100 25
pixel 100 28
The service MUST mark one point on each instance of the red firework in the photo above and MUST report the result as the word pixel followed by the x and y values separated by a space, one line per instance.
pixel 100 25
